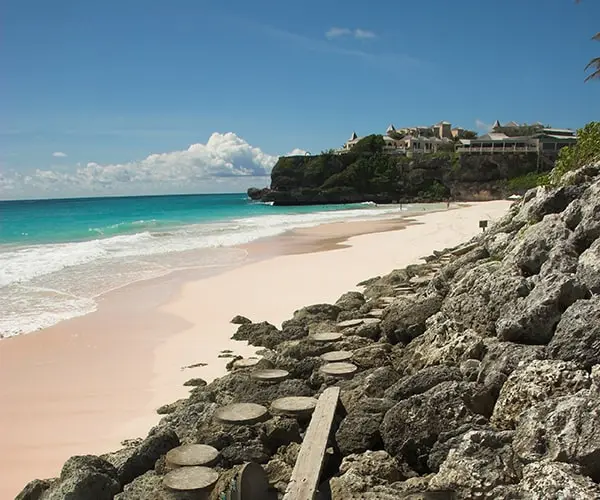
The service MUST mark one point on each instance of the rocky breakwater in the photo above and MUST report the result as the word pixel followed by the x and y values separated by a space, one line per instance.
pixel 473 375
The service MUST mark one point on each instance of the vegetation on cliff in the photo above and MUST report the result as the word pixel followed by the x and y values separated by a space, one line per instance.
pixel 585 152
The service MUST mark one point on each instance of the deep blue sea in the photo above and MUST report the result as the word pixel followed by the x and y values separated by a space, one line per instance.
pixel 58 256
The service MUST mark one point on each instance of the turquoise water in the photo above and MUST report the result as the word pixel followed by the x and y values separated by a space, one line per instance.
pixel 58 256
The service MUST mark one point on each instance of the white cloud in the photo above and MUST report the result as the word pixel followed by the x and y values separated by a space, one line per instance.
pixel 358 33
pixel 297 152
pixel 363 34
pixel 224 159
pixel 59 154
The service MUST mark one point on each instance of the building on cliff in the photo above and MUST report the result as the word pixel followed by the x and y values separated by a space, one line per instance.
pixel 548 141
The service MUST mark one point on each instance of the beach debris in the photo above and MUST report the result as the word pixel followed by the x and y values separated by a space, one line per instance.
pixel 190 479
pixel 270 375
pixel 240 320
pixel 246 362
pixel 341 369
pixel 294 406
pixel 188 455
pixel 336 356
pixel 241 414
pixel 325 337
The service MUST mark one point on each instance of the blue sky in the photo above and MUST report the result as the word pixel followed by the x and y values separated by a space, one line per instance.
pixel 109 83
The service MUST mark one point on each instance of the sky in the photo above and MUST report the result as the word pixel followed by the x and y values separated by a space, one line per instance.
pixel 123 97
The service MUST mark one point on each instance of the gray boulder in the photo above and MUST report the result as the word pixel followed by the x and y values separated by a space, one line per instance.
pixel 532 246
pixel 372 356
pixel 422 381
pixel 350 301
pixel 34 489
pixel 588 267
pixel 410 429
pixel 359 432
pixel 551 201
pixel 478 299
pixel 565 429
pixel 147 486
pixel 313 314
pixel 482 461
pixel 577 336
pixel 85 477
pixel 583 216
pixel 405 318
pixel 535 382
pixel 544 480
pixel 531 320
pixel 562 258
pixel 240 320
pixel 259 334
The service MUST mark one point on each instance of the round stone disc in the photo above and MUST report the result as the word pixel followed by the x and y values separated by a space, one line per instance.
pixel 417 280
pixel 339 369
pixel 325 337
pixel 252 483
pixel 387 299
pixel 241 414
pixel 270 375
pixel 294 405
pixel 371 321
pixel 336 356
pixel 349 323
pixel 191 479
pixel 192 454
pixel 376 313
pixel 246 362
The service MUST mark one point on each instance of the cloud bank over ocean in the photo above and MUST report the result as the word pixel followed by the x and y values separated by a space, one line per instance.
pixel 225 163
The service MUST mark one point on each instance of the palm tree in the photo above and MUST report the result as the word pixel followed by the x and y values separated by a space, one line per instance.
pixel 594 64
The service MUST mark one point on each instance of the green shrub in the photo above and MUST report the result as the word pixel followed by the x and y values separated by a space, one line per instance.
pixel 527 181
pixel 584 152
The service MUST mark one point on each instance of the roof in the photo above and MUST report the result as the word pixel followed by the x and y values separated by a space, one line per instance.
pixel 442 123
pixel 388 139
pixel 496 124
pixel 353 137
pixel 563 130
pixel 391 128
pixel 512 124
pixel 558 137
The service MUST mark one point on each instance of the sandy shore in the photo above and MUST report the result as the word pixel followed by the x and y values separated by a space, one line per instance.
pixel 88 383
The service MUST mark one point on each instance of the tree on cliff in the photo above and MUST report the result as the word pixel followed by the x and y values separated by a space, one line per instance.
pixel 372 144
pixel 584 152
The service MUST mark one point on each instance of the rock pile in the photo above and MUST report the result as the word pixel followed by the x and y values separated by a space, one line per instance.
pixel 478 376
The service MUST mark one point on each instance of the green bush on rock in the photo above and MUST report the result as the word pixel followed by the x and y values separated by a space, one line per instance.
pixel 585 152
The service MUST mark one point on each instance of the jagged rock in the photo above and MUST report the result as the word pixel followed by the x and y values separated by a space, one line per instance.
pixel 477 300
pixel 557 480
pixel 279 474
pixel 469 369
pixel 531 320
pixel 385 286
pixel 502 358
pixel 281 431
pixel 447 441
pixel 34 489
pixel 482 460
pixel 84 477
pixel 405 318
pixel 184 420
pixel 144 456
pixel 410 428
pixel 259 334
pixel 577 336
pixel 565 429
pixel 563 258
pixel 551 201
pixel 534 382
pixel 442 343
pixel 456 270
pixel 350 301
pixel 531 248
pixel 195 382
pixel 588 267
pixel 147 486
pixel 240 320
pixel 583 217
pixel 314 314
pixel 359 432
pixel 372 356
pixel 422 381
pixel 496 244
pixel 360 473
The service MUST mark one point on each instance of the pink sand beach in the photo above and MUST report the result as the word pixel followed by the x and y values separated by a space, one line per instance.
pixel 86 384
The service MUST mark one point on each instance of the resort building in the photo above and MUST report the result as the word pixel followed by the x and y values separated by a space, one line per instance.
pixel 547 141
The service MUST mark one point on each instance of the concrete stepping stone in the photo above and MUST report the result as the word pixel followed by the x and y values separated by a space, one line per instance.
pixel 350 323
pixel 389 300
pixel 241 414
pixel 192 455
pixel 245 362
pixel 294 406
pixel 419 280
pixel 375 313
pixel 336 356
pixel 191 479
pixel 325 337
pixel 371 321
pixel 270 375
pixel 341 370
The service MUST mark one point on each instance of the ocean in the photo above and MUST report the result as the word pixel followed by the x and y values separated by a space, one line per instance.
pixel 58 256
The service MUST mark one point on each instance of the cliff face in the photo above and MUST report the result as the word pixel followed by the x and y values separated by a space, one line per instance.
pixel 351 178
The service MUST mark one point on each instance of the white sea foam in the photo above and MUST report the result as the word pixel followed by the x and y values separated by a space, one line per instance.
pixel 41 285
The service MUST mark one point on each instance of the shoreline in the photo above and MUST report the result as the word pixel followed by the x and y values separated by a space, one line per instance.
pixel 166 339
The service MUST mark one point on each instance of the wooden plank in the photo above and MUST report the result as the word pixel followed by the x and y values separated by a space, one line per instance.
pixel 307 471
